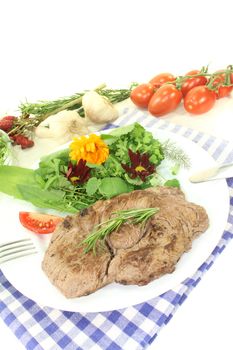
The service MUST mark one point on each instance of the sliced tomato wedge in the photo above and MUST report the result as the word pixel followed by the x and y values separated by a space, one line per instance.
pixel 39 223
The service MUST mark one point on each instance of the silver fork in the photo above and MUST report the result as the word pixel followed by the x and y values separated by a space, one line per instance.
pixel 16 249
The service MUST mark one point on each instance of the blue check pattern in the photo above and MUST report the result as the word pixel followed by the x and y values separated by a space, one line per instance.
pixel 43 328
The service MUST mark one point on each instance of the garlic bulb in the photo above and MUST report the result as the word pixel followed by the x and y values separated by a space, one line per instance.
pixel 98 109
pixel 62 126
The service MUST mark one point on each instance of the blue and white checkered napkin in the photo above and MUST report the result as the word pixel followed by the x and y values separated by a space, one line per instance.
pixel 43 328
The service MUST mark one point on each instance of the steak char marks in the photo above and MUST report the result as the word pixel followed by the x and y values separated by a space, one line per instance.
pixel 135 254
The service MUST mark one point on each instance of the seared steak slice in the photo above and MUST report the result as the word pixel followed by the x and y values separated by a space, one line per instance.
pixel 65 263
pixel 134 254
pixel 170 234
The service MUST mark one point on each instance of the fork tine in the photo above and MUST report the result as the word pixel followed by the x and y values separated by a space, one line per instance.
pixel 13 246
pixel 15 251
pixel 3 260
pixel 15 242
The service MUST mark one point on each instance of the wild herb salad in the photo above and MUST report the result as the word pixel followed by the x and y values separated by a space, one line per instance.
pixel 93 168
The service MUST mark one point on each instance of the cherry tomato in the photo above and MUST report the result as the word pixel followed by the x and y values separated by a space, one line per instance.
pixel 192 82
pixel 162 78
pixel 142 94
pixel 39 223
pixel 222 91
pixel 164 100
pixel 231 78
pixel 199 100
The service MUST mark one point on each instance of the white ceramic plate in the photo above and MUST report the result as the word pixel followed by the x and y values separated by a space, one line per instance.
pixel 26 275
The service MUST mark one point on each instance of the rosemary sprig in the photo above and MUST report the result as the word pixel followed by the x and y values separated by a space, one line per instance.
pixel 101 231
pixel 43 109
pixel 32 114
pixel 176 154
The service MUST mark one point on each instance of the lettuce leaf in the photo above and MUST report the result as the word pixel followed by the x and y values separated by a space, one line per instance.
pixel 113 186
pixel 11 176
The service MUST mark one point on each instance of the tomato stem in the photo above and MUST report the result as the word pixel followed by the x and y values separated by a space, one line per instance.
pixel 204 73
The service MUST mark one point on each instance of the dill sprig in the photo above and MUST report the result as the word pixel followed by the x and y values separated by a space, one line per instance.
pixel 101 231
pixel 176 154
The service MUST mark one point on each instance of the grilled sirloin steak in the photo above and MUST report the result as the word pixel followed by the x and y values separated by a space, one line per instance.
pixel 132 255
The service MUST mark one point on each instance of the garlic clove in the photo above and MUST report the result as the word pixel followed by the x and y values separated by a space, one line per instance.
pixel 63 124
pixel 44 131
pixel 98 109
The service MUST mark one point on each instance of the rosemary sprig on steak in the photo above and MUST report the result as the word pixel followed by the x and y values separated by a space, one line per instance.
pixel 100 232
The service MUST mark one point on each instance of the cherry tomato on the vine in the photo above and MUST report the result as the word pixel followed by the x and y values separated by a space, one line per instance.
pixel 164 100
pixel 199 100
pixel 221 90
pixel 142 94
pixel 162 78
pixel 231 78
pixel 192 82
pixel 224 91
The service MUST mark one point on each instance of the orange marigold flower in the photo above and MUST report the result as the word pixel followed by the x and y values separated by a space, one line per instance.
pixel 90 148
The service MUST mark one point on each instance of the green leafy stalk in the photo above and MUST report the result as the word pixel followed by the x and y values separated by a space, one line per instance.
pixel 101 231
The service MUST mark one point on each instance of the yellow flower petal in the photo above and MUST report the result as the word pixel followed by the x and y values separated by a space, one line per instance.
pixel 90 148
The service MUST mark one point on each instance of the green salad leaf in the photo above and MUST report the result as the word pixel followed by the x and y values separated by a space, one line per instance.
pixel 113 186
pixel 92 185
pixel 136 138
pixel 172 183
pixel 12 176
pixel 49 187
pixel 124 130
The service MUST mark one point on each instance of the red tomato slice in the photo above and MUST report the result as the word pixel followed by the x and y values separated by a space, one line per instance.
pixel 39 223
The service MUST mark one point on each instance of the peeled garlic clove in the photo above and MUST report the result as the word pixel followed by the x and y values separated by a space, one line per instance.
pixel 63 124
pixel 98 109
pixel 44 131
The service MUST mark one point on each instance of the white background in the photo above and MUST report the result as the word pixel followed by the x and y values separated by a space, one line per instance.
pixel 55 48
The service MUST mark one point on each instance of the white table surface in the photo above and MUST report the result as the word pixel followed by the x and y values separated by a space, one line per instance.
pixel 55 48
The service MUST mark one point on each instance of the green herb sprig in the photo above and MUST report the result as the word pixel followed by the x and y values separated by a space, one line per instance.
pixel 174 153
pixel 101 231
pixel 32 114
pixel 4 148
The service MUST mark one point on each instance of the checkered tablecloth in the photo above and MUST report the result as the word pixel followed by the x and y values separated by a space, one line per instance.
pixel 43 328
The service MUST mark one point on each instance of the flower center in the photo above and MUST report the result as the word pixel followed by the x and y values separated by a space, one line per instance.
pixel 74 178
pixel 140 168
